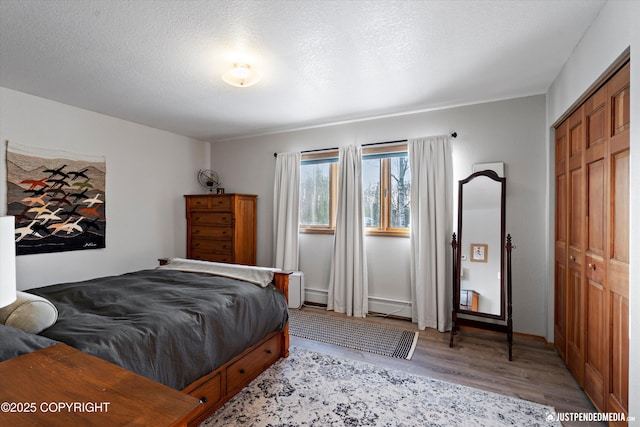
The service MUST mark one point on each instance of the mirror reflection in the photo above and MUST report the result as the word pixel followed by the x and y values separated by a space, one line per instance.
pixel 480 255
pixel 481 247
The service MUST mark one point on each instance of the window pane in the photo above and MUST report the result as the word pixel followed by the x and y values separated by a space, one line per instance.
pixel 400 192
pixel 314 194
pixel 371 192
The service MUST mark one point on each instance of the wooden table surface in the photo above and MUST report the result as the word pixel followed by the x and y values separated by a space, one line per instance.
pixel 61 386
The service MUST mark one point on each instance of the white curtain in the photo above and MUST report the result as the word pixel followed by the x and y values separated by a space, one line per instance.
pixel 348 285
pixel 286 191
pixel 431 226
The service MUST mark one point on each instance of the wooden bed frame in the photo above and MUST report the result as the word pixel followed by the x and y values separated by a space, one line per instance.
pixel 219 386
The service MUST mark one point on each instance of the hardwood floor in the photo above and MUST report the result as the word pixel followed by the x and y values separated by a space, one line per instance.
pixel 479 359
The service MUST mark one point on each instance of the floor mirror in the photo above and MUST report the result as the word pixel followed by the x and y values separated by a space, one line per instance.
pixel 482 258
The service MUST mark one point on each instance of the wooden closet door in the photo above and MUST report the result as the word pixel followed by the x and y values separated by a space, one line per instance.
pixel 575 287
pixel 596 125
pixel 592 243
pixel 560 270
pixel 618 243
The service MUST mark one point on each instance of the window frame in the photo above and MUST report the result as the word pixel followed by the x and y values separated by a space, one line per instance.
pixel 385 189
pixel 331 157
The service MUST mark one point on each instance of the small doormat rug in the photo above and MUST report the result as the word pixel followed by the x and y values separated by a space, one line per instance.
pixel 352 333
pixel 315 389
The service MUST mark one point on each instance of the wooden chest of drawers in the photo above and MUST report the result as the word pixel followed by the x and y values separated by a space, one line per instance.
pixel 222 228
pixel 469 300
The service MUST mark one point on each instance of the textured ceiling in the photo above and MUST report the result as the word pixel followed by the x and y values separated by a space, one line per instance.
pixel 159 62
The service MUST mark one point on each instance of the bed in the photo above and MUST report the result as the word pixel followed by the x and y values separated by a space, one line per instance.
pixel 206 329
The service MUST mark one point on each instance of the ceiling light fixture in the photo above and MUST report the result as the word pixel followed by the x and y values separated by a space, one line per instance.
pixel 241 75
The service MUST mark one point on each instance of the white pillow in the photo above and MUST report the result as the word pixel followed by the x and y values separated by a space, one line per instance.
pixel 29 312
pixel 260 276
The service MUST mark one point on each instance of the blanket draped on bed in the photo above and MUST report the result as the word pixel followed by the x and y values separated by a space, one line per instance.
pixel 170 326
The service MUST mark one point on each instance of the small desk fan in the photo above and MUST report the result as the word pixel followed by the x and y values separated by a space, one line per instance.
pixel 208 179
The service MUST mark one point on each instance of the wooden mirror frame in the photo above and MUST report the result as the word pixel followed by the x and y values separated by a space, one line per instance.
pixel 483 320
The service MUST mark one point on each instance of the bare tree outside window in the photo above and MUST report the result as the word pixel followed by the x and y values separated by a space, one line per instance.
pixel 314 194
pixel 400 192
pixel 371 192
pixel 386 192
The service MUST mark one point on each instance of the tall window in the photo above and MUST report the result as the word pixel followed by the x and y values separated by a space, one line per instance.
pixel 386 183
pixel 318 180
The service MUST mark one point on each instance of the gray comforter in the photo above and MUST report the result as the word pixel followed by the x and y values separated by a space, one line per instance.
pixel 16 342
pixel 170 326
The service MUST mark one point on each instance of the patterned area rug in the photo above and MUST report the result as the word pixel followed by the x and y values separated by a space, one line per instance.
pixel 353 333
pixel 314 389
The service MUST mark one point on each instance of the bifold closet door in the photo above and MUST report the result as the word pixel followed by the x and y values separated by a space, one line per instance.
pixel 561 225
pixel 576 294
pixel 596 171
pixel 591 322
pixel 618 243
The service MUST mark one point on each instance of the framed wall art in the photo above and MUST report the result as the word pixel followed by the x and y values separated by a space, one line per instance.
pixel 58 199
pixel 479 252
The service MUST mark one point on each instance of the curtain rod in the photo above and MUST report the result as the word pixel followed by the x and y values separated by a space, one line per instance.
pixel 453 135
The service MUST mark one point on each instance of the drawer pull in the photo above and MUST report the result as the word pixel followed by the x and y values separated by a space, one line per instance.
pixel 269 351
pixel 592 266
pixel 242 371
pixel 572 258
pixel 203 400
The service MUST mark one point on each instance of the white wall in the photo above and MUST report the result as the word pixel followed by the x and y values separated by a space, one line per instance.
pixel 512 131
pixel 480 226
pixel 615 30
pixel 148 171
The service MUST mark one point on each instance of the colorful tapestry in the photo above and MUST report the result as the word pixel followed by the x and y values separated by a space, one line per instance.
pixel 57 198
